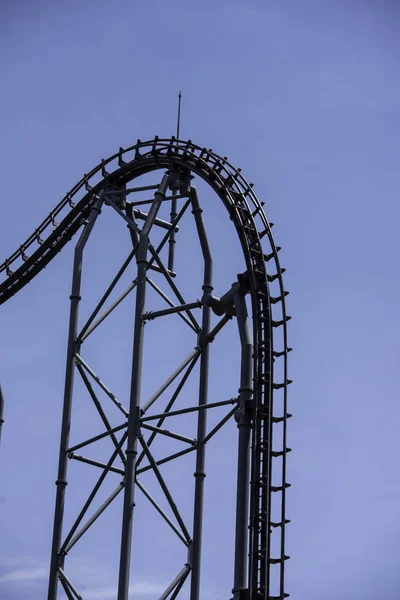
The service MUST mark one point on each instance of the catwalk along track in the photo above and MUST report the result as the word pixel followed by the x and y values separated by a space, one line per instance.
pixel 260 407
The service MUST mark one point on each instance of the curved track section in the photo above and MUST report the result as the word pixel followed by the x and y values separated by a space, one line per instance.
pixel 269 422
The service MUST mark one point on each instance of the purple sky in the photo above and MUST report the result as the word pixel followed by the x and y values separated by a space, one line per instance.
pixel 304 97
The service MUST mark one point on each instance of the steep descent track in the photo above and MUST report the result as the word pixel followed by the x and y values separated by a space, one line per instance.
pixel 269 422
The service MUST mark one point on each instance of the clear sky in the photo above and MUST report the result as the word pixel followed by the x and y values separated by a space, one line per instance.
pixel 304 97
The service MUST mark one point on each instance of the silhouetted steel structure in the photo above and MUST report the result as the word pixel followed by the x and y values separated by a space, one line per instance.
pixel 261 472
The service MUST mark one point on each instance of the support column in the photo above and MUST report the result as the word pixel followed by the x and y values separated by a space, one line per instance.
pixel 203 398
pixel 234 302
pixel 173 215
pixel 243 417
pixel 57 561
pixel 134 410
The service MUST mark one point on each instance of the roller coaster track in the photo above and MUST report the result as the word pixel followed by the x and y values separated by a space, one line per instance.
pixel 268 463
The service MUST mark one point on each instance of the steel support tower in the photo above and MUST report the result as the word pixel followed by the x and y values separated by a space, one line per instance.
pixel 254 304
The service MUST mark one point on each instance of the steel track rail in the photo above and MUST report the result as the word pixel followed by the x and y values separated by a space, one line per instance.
pixel 250 221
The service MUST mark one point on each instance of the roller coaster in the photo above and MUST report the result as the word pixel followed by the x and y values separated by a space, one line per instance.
pixel 255 301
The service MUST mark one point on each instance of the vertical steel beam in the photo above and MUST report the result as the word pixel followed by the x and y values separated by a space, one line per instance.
pixel 57 561
pixel 234 300
pixel 134 410
pixel 243 417
pixel 173 215
pixel 203 398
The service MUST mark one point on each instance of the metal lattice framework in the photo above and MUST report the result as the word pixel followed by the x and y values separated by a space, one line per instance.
pixel 260 409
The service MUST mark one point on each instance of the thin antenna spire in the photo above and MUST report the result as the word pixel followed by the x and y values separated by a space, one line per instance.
pixel 178 125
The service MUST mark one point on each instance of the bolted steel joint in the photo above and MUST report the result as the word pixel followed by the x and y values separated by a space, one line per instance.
pixel 179 180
